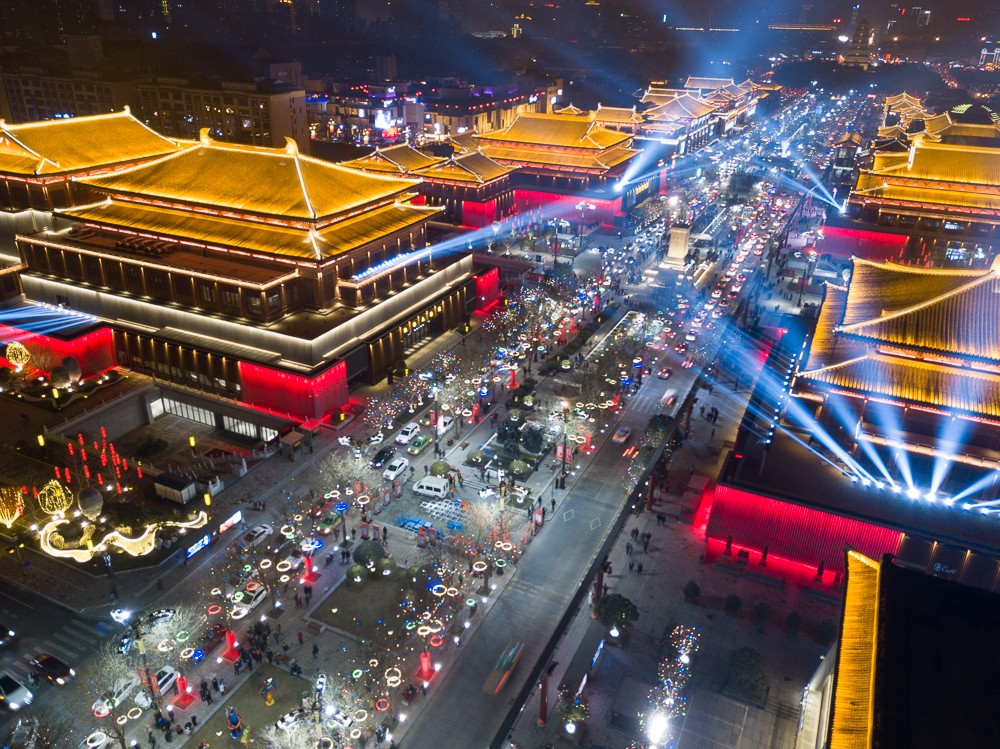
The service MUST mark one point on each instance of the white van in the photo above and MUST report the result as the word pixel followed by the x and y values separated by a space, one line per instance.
pixel 445 425
pixel 432 486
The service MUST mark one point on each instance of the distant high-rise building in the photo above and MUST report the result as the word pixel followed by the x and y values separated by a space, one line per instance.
pixel 860 53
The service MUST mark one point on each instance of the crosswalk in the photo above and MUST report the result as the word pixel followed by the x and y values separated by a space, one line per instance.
pixel 74 641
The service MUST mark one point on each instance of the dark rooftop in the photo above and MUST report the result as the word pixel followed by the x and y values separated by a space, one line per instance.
pixel 937 672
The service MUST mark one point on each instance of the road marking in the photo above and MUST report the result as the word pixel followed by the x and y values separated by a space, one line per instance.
pixel 569 515
pixel 18 601
pixel 595 523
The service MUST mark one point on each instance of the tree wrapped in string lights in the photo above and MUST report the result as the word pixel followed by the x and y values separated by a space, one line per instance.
pixel 96 463
pixel 668 699
pixel 11 504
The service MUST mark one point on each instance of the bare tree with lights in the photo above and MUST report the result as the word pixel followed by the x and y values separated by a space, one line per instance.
pixel 107 672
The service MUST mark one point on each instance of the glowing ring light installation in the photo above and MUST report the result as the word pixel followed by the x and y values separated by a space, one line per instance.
pixel 355 733
pixel 297 518
pixel 187 653
pixel 265 564
pixel 360 715
pixel 393 677
pixel 373 663
pixel 435 641
pixel 357 673
pixel 216 591
pixel 452 592
pixel 284 579
pixel 382 704
pixel 423 630
pixel 164 646
pixel 479 566
pixel 363 500
pixel 287 531
pixel 134 714
pixel 237 596
pixel 214 609
pixel 253 586
pixel 182 636
pixel 438 589
pixel 283 566
pixel 121 720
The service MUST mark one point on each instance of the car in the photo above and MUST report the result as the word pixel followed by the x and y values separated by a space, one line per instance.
pixel 396 468
pixel 565 364
pixel 681 348
pixel 687 363
pixel 383 456
pixel 6 635
pixel 212 637
pixel 166 677
pixel 418 444
pixel 621 436
pixel 691 337
pixel 54 669
pixel 664 374
pixel 296 558
pixel 150 620
pixel 407 433
pixel 13 694
pixel 716 294
pixel 249 602
pixel 257 535
pixel 118 693
pixel 505 665
pixel 329 523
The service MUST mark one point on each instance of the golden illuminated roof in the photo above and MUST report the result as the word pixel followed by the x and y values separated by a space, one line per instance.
pixel 964 321
pixel 915 381
pixel 942 162
pixel 658 95
pixel 682 107
pixel 470 167
pixel 78 144
pixel 933 201
pixel 854 695
pixel 708 83
pixel 401 159
pixel 265 239
pixel 253 180
pixel 880 287
pixel 556 130
pixel 570 109
pixel 617 114
pixel 531 157
pixel 828 347
pixel 903 98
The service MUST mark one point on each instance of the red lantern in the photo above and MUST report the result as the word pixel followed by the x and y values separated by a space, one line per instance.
pixel 69 446
pixel 139 471
pixel 100 479
pixel 86 471
pixel 83 454
pixel 103 433
pixel 81 438
pixel 58 473
pixel 118 486
pixel 67 475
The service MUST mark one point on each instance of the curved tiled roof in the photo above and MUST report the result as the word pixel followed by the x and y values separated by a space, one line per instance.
pixel 556 130
pixel 399 159
pixel 254 180
pixel 877 288
pixel 828 347
pixel 914 381
pixel 964 321
pixel 78 144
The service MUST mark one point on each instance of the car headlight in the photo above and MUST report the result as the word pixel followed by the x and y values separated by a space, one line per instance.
pixel 10 633
pixel 13 706
pixel 60 681
pixel 72 672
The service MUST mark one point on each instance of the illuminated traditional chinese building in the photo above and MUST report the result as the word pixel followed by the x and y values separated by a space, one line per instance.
pixel 895 415
pixel 936 180
pixel 473 189
pixel 257 274
pixel 39 160
pixel 563 158
pixel 900 674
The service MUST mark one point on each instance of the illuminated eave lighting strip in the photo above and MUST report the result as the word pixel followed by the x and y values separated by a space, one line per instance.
pixel 166 268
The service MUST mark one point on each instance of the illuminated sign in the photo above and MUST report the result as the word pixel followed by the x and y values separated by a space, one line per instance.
pixel 198 545
pixel 391 91
pixel 231 521
pixel 533 98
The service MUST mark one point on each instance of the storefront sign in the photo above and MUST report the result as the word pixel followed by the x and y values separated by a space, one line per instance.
pixel 231 521
pixel 198 545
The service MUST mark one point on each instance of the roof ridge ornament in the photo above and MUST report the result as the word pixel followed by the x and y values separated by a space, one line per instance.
pixel 291 147
pixel 204 137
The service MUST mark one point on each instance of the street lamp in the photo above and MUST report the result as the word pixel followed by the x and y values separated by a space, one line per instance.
pixel 806 275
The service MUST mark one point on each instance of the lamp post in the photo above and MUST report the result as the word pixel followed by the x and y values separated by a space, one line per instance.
pixel 807 274
pixel 496 230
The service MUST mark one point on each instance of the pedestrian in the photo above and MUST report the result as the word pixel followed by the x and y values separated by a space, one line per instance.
pixel 645 545
pixel 604 589
pixel 270 656
pixel 354 531
pixel 553 504
pixel 215 682
pixel 461 481
pixel 639 568
pixel 631 565
pixel 222 686
pixel 702 410
pixel 188 728
pixel 628 548
pixel 426 471
pixel 315 650
pixel 168 735
pixel 284 648
pixel 423 688
pixel 635 533
pixel 237 667
pixel 385 535
pixel 194 721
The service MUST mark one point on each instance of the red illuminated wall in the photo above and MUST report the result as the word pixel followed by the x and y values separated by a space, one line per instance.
pixel 95 351
pixel 564 206
pixel 870 245
pixel 800 534
pixel 487 289
pixel 479 213
pixel 303 397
